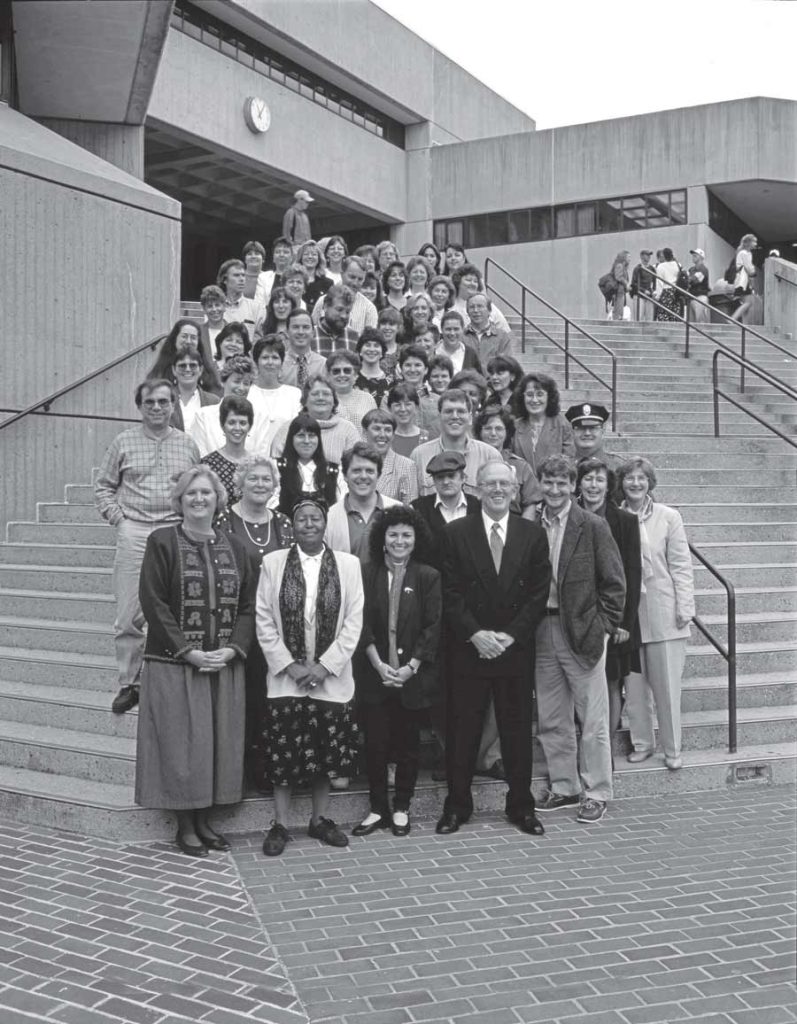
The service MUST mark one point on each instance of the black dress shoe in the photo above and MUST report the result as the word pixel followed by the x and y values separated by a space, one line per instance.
pixel 189 848
pixel 529 823
pixel 400 830
pixel 365 830
pixel 448 823
pixel 125 699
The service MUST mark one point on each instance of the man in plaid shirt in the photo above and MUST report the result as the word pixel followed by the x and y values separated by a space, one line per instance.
pixel 132 492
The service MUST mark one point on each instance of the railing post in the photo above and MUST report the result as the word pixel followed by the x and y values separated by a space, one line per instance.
pixel 744 356
pixel 686 350
pixel 567 355
pixel 614 394
pixel 523 321
pixel 716 396
pixel 731 672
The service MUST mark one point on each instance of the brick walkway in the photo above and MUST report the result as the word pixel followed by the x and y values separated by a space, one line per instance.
pixel 672 909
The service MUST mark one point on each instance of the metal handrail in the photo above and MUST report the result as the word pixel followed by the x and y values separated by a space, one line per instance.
pixel 788 280
pixel 758 372
pixel 728 651
pixel 45 403
pixel 525 318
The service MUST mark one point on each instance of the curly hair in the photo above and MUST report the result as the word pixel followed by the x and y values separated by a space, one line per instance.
pixel 548 384
pixel 400 515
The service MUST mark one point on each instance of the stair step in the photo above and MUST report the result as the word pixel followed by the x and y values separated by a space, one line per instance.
pixel 752 551
pixel 750 574
pixel 709 513
pixel 56 579
pixel 714 601
pixel 766 689
pixel 86 755
pixel 61 533
pixel 59 668
pixel 63 708
pixel 64 636
pixel 99 808
pixel 769 656
pixel 753 627
pixel 74 512
pixel 82 494
pixel 65 606
pixel 702 533
pixel 85 556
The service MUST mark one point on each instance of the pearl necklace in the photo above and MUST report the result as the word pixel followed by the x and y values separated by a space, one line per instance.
pixel 260 544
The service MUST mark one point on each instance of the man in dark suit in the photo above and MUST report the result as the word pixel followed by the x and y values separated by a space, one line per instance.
pixel 584 607
pixel 496 577
pixel 448 503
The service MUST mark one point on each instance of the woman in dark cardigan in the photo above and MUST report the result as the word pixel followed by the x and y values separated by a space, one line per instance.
pixel 595 484
pixel 197 596
pixel 396 668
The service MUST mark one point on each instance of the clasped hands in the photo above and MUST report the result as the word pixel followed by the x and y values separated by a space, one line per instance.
pixel 491 644
pixel 210 661
pixel 307 674
pixel 394 677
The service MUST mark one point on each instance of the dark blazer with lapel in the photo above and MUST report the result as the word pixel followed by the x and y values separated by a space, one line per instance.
pixel 205 398
pixel 476 597
pixel 625 530
pixel 417 633
pixel 433 518
pixel 591 584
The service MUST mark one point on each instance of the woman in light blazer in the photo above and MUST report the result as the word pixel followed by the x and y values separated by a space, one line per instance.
pixel 666 608
pixel 309 613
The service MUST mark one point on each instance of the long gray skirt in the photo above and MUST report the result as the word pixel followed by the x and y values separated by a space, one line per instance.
pixel 190 746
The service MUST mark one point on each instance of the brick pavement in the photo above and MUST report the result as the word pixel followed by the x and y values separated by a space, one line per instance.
pixel 672 909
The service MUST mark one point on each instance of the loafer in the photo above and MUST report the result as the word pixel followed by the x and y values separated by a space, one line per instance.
pixel 276 839
pixel 125 699
pixel 529 823
pixel 328 832
pixel 639 755
pixel 215 841
pixel 189 849
pixel 674 763
pixel 365 830
pixel 400 829
pixel 448 823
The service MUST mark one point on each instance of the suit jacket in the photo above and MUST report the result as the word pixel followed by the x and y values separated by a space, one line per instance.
pixel 556 438
pixel 669 586
pixel 417 633
pixel 590 583
pixel 625 530
pixel 433 518
pixel 205 398
pixel 476 597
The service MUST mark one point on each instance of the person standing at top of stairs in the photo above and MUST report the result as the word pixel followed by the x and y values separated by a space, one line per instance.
pixel 133 493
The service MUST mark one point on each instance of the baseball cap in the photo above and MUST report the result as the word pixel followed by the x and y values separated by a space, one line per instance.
pixel 303 194
pixel 698 252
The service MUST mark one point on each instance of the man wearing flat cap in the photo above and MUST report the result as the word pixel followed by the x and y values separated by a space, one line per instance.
pixel 589 426
pixel 643 284
pixel 449 501
pixel 296 222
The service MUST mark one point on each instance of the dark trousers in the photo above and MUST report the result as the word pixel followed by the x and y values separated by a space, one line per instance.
pixel 391 730
pixel 256 673
pixel 468 706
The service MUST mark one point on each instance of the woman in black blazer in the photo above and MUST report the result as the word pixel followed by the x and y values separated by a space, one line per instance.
pixel 595 485
pixel 396 668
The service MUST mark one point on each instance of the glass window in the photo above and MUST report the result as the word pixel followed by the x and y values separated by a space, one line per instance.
pixel 519 226
pixel 565 220
pixel 608 215
pixel 541 224
pixel 585 219
pixel 678 206
pixel 635 212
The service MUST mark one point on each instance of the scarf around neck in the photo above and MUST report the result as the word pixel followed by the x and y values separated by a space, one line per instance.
pixel 291 601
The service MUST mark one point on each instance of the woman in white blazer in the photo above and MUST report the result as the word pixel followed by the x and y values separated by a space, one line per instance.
pixel 309 614
pixel 666 608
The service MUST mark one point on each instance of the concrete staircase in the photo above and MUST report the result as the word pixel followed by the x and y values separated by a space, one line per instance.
pixel 66 761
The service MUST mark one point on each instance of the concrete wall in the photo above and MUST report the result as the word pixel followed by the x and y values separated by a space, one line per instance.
pixel 90 268
pixel 202 93
pixel 735 141
pixel 566 271
pixel 780 297
pixel 401 67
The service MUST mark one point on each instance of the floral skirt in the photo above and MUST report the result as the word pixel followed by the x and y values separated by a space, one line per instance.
pixel 672 302
pixel 304 738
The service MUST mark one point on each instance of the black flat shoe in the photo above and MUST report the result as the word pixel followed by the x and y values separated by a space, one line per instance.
pixel 400 830
pixel 125 700
pixel 448 824
pixel 365 830
pixel 529 823
pixel 215 841
pixel 189 849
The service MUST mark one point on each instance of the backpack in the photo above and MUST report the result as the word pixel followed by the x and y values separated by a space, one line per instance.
pixel 731 272
pixel 607 286
pixel 682 281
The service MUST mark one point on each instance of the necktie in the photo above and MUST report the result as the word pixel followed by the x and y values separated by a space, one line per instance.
pixel 301 371
pixel 496 546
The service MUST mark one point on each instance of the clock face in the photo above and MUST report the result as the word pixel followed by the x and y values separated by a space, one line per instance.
pixel 256 114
